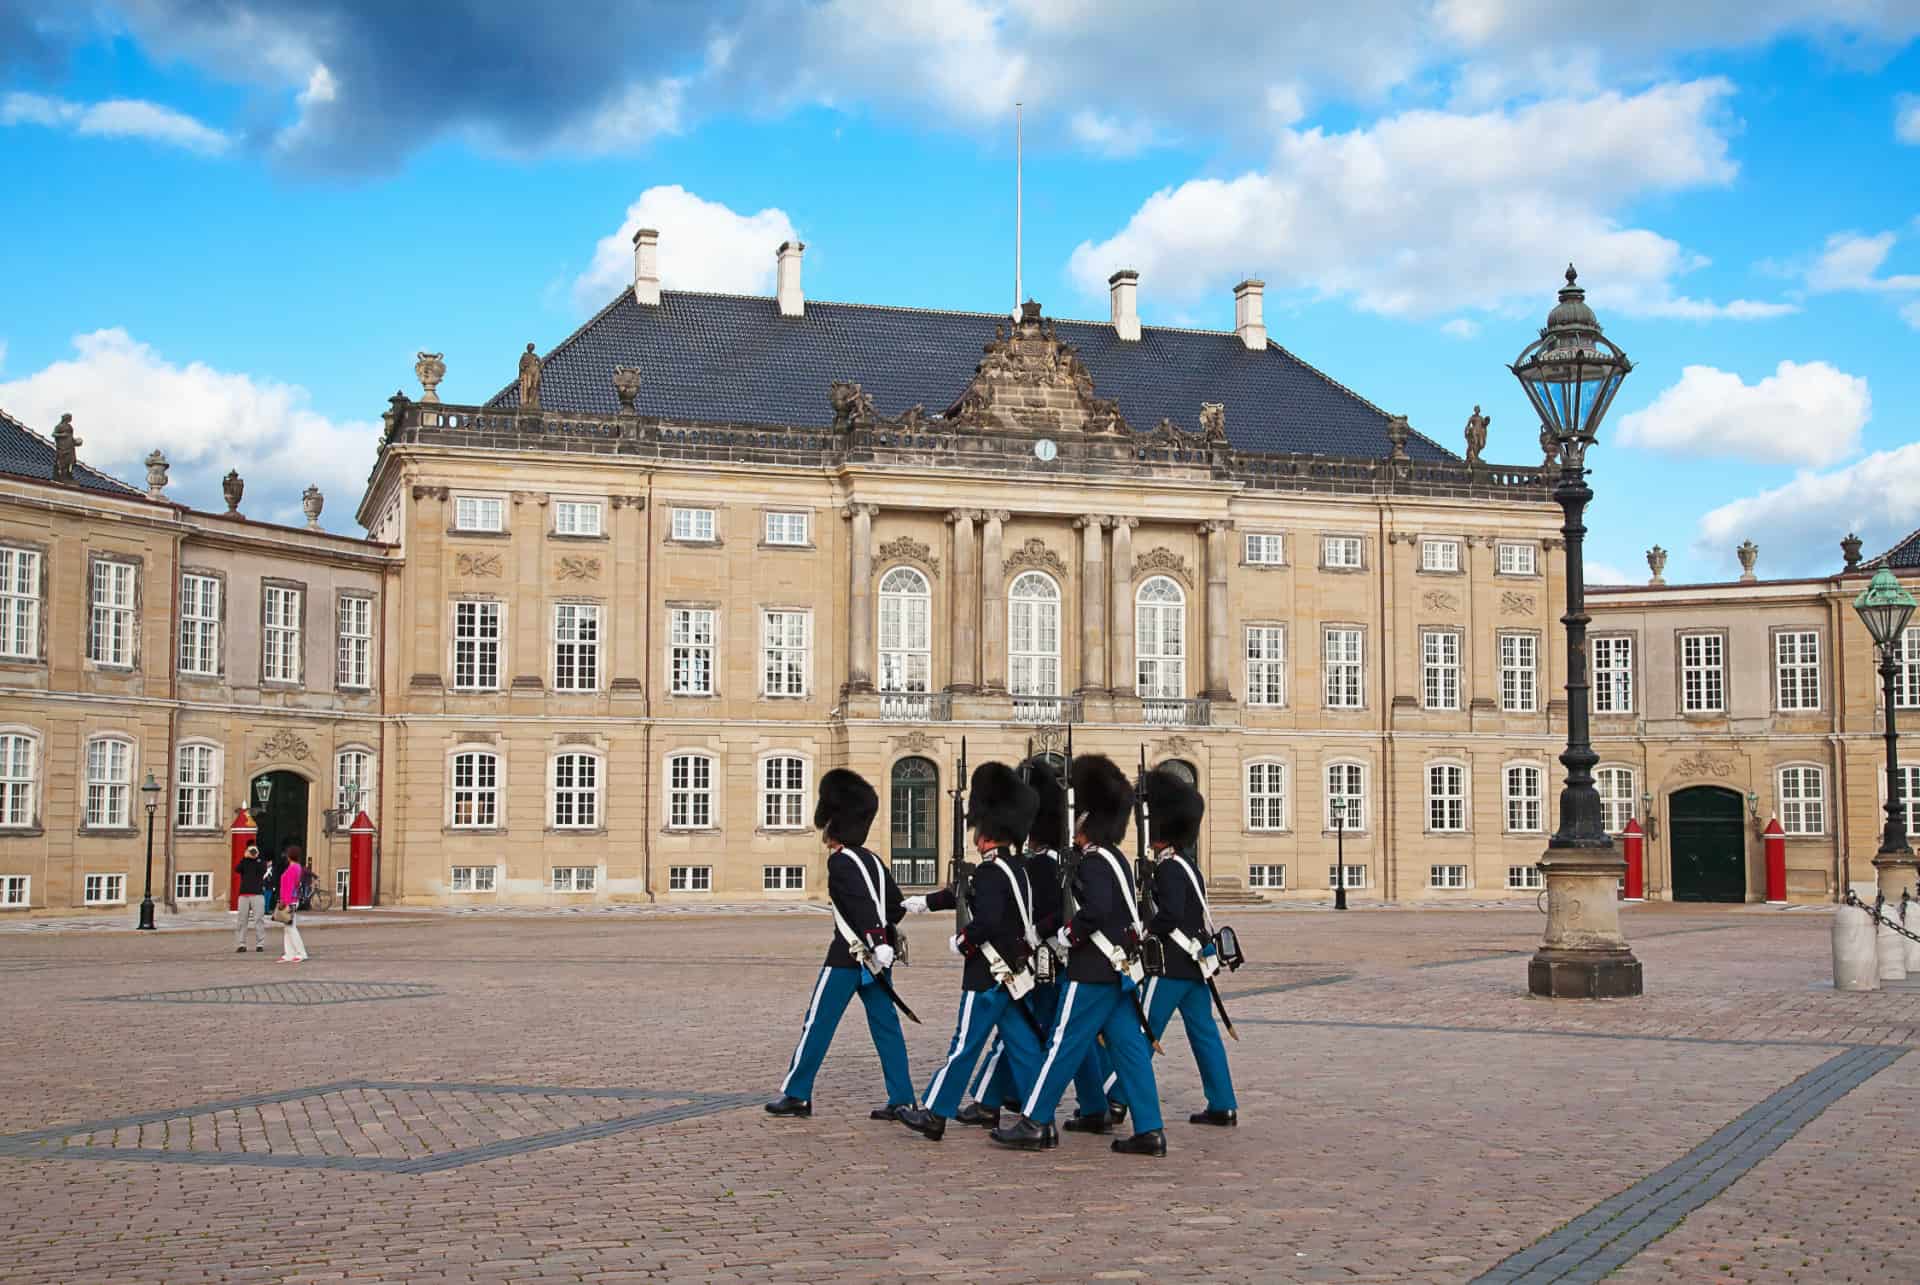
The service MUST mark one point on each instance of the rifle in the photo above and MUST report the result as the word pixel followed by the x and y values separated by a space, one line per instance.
pixel 959 869
pixel 1069 854
pixel 1143 861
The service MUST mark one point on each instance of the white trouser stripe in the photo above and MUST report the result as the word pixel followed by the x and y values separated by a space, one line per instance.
pixel 988 1067
pixel 1053 1047
pixel 806 1028
pixel 959 1042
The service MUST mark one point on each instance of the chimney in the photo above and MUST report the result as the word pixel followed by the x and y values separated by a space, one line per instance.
pixel 1123 288
pixel 1249 319
pixel 787 291
pixel 646 267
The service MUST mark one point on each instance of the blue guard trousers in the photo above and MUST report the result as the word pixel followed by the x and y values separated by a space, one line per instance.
pixel 1189 998
pixel 1087 1010
pixel 831 994
pixel 980 1013
pixel 993 1085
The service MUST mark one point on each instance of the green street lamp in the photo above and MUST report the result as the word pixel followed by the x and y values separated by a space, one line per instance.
pixel 1884 609
pixel 150 794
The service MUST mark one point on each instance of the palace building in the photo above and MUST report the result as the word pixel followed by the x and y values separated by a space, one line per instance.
pixel 607 629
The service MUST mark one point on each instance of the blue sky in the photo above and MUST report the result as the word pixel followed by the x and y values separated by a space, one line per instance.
pixel 231 226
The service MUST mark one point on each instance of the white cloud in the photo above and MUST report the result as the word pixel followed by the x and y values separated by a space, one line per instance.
pixel 1906 120
pixel 127 399
pixel 1803 413
pixel 703 246
pixel 1461 328
pixel 1852 260
pixel 1801 522
pixel 1110 135
pixel 632 116
pixel 1605 573
pixel 114 118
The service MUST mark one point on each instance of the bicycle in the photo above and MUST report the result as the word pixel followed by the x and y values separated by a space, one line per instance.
pixel 314 895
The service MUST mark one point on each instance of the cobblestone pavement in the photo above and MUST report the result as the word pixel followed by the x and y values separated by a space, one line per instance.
pixel 452 1098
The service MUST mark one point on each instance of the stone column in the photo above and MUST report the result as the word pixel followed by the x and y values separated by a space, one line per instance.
pixel 627 605
pixel 993 604
pixel 860 626
pixel 530 600
pixel 966 603
pixel 1120 596
pixel 1219 673
pixel 428 588
pixel 1093 612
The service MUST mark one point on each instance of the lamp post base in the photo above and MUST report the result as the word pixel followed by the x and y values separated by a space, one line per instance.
pixel 1896 872
pixel 146 923
pixel 1584 955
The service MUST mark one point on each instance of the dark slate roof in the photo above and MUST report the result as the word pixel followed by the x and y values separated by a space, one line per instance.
pixel 1903 556
pixel 27 454
pixel 720 358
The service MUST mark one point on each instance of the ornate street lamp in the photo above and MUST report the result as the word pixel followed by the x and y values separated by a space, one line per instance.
pixel 1885 608
pixel 1339 805
pixel 262 791
pixel 1571 375
pixel 150 792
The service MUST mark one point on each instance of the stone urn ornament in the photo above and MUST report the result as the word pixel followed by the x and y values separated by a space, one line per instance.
pixel 1850 550
pixel 1748 553
pixel 431 369
pixel 1398 432
pixel 311 502
pixel 1657 563
pixel 233 486
pixel 157 475
pixel 626 386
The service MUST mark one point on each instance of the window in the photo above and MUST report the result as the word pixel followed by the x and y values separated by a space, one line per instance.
pixel 906 650
pixel 1446 876
pixel 1265 550
pixel 1356 877
pixel 1613 675
pixel 1266 796
pixel 1341 552
pixel 576 517
pixel 1033 636
pixel 690 792
pixel 1439 555
pixel 473 878
pixel 104 890
pixel 1616 797
pixel 1796 669
pixel 1516 559
pixel 16 890
pixel 478 513
pixel 1347 783
pixel 783 878
pixel 576 792
pixel 1523 799
pixel 192 886
pixel 197 788
pixel 1160 632
pixel 280 636
pixel 1440 652
pixel 783 652
pixel 1803 800
pixel 1446 798
pixel 17 779
pixel 1519 667
pixel 353 768
pixel 575 878
pixel 20 603
pixel 1906 682
pixel 476 646
pixel 1273 878
pixel 1525 878
pixel 1703 674
pixel 110 631
pixel 356 642
pixel 576 647
pixel 783 793
pixel 109 782
pixel 1266 665
pixel 1909 787
pixel 689 878
pixel 1346 682
pixel 199 624
pixel 786 528
pixel 476 790
pixel 342 884
pixel 693 524
pixel 691 656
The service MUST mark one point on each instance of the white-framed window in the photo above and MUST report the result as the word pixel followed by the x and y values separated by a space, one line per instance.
pixel 19 603
pixel 109 782
pixel 690 657
pixel 1271 877
pixel 1340 551
pixel 576 647
pixel 15 891
pixel 575 878
pixel 1803 800
pixel 199 624
pixel 353 768
pixel 473 878
pixel 196 803
pixel 783 878
pixel 906 631
pixel 1265 549
pixel 1519 673
pixel 1613 675
pixel 785 649
pixel 1796 669
pixel 1266 796
pixel 576 517
pixel 783 792
pixel 690 792
pixel 104 890
pixel 1522 788
pixel 1525 878
pixel 1356 877
pixel 1446 876
pixel 111 625
pixel 1160 633
pixel 787 528
pixel 280 634
pixel 1516 559
pixel 1344 654
pixel 1703 673
pixel 1439 555
pixel 476 646
pixel 1617 803
pixel 356 642
pixel 576 791
pixel 1906 682
pixel 476 790
pixel 1909 787
pixel 1347 782
pixel 479 513
pixel 689 878
pixel 1033 635
pixel 1266 665
pixel 1446 798
pixel 694 525
pixel 1440 666
pixel 19 777
pixel 192 885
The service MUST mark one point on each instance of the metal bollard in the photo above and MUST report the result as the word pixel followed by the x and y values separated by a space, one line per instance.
pixel 1910 910
pixel 1890 949
pixel 1855 966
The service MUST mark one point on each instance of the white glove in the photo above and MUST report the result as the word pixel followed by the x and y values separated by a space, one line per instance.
pixel 916 905
pixel 1060 943
pixel 953 944
pixel 883 956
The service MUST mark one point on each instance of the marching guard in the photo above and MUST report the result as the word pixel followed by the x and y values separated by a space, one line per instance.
pixel 866 905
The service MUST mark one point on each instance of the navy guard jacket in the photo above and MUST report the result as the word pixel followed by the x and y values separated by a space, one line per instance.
pixel 1043 873
pixel 996 917
pixel 1103 908
pixel 1175 907
pixel 848 892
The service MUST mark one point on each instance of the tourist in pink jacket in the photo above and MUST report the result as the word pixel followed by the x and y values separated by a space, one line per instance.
pixel 292 949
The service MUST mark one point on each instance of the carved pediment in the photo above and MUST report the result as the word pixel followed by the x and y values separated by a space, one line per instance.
pixel 1035 553
pixel 912 550
pixel 1161 560
pixel 1031 380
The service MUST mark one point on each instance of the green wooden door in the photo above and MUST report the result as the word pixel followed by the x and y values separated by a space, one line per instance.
pixel 913 822
pixel 1708 835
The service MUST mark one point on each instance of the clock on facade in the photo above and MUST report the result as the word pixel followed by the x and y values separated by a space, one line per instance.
pixel 1044 450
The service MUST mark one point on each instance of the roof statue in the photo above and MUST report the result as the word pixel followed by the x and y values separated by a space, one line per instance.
pixel 1477 434
pixel 1549 448
pixel 66 448
pixel 1213 423
pixel 852 408
pixel 1032 380
pixel 430 368
pixel 529 379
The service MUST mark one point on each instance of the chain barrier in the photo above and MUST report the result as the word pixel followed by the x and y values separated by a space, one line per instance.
pixel 1873 911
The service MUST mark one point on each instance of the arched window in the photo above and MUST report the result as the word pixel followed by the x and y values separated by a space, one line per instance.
pixel 1033 635
pixel 690 792
pixel 783 792
pixel 19 775
pixel 913 821
pixel 109 782
pixel 906 628
pixel 576 791
pixel 1803 799
pixel 476 790
pixel 1446 798
pixel 1616 797
pixel 1347 782
pixel 1266 795
pixel 1160 633
pixel 197 787
pixel 1522 783
pixel 352 767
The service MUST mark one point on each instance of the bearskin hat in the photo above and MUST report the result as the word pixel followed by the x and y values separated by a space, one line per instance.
pixel 1049 828
pixel 1103 797
pixel 1000 805
pixel 847 806
pixel 1174 809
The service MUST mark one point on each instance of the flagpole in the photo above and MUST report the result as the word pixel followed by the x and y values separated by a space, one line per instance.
pixel 1018 157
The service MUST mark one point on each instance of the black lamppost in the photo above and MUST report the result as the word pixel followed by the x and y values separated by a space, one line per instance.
pixel 1885 608
pixel 1571 374
pixel 1339 805
pixel 150 792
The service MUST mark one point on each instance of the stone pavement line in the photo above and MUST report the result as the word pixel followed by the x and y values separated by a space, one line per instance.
pixel 305 993
pixel 1612 1232
pixel 1547 1032
pixel 1277 987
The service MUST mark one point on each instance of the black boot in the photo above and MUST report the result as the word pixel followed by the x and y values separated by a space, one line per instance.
pixel 790 1105
pixel 974 1113
pixel 1224 1119
pixel 1151 1143
pixel 1049 1137
pixel 923 1121
pixel 1102 1123
pixel 891 1111
pixel 1117 1110
pixel 1021 1134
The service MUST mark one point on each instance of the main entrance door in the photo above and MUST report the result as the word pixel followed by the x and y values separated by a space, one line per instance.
pixel 283 817
pixel 912 809
pixel 1709 842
